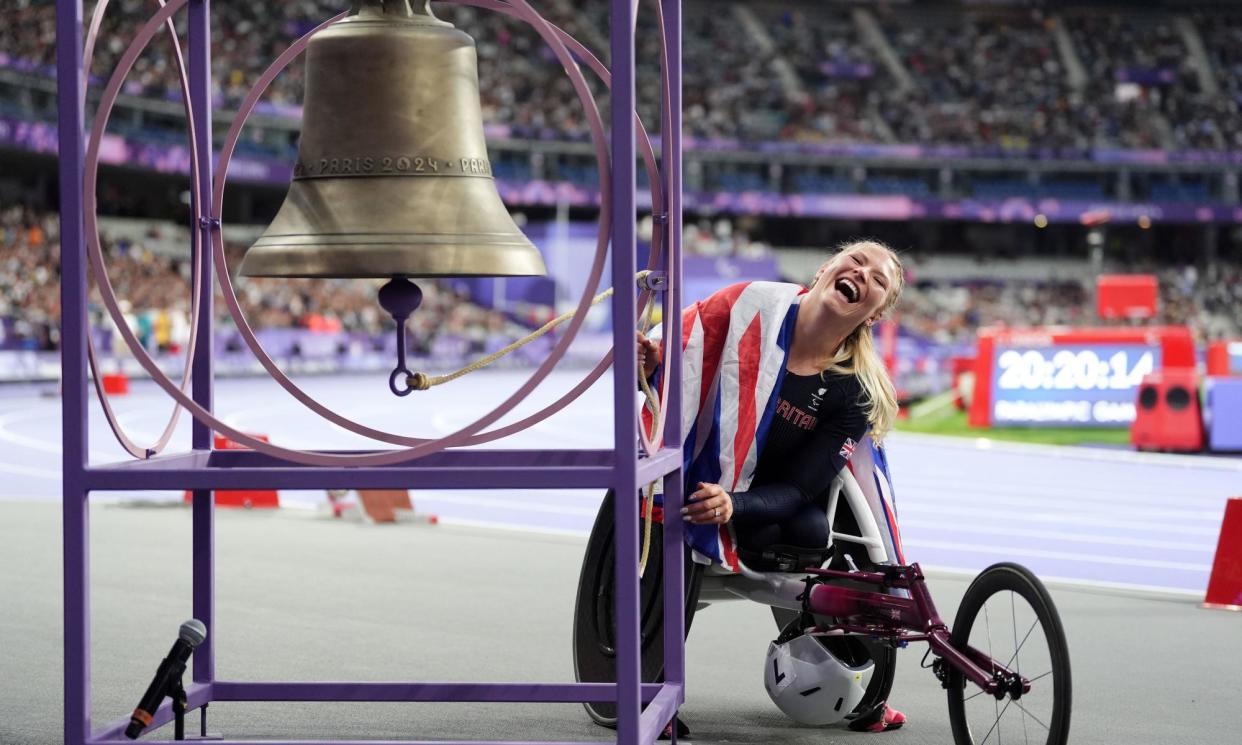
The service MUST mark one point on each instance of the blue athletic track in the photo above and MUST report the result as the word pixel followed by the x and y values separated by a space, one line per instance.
pixel 1095 516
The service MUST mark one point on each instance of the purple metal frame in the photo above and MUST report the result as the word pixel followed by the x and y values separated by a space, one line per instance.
pixel 202 469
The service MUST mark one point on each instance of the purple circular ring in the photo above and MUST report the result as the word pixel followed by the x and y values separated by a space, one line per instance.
pixel 92 234
pixel 309 458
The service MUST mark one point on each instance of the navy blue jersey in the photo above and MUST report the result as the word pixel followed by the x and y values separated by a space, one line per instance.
pixel 818 422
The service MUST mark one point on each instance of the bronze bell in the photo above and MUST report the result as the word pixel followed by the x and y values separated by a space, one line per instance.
pixel 392 177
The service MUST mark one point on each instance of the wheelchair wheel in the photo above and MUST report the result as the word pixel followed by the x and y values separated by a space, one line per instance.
pixel 1008 615
pixel 595 617
pixel 855 650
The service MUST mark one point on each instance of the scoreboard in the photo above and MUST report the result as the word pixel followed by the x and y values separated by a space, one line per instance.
pixel 1069 377
pixel 1087 384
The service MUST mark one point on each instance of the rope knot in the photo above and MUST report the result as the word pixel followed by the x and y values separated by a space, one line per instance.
pixel 418 381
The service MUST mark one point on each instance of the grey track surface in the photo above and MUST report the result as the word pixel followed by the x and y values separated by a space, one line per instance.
pixel 1101 516
pixel 304 597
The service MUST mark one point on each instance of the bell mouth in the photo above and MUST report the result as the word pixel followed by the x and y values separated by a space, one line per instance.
pixel 377 256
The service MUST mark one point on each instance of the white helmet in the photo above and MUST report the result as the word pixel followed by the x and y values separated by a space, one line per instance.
pixel 810 684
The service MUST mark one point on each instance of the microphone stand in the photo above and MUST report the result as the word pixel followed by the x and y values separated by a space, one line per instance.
pixel 180 702
pixel 176 692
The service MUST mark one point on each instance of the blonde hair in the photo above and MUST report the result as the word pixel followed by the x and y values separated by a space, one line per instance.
pixel 857 355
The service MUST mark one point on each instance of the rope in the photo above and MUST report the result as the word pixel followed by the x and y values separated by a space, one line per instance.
pixel 653 405
pixel 422 381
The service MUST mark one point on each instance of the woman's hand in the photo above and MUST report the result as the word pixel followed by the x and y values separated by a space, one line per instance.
pixel 710 505
pixel 649 356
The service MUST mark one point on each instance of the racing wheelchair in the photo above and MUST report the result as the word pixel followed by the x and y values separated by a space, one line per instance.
pixel 845 611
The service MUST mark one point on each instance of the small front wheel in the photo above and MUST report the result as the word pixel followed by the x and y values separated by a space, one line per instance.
pixel 1008 615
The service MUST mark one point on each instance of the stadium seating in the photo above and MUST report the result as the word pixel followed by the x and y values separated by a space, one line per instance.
pixel 992 77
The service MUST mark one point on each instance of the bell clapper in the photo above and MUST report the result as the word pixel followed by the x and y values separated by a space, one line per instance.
pixel 400 297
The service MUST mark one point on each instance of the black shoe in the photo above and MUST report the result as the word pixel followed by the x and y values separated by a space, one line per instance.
pixel 682 729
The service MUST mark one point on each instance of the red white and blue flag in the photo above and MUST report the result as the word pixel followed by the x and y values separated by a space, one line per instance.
pixel 869 467
pixel 735 346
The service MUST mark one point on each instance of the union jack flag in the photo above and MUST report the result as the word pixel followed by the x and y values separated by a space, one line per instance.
pixel 847 449
pixel 734 347
pixel 735 344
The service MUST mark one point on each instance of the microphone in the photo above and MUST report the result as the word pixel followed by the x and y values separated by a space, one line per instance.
pixel 192 634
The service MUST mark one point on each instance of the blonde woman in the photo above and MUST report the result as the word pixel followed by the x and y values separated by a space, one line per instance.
pixel 781 384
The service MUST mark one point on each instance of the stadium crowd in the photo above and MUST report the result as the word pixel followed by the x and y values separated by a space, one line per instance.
pixel 953 312
pixel 986 77
pixel 837 72
pixel 156 297
pixel 959 98
pixel 1216 119
pixel 154 293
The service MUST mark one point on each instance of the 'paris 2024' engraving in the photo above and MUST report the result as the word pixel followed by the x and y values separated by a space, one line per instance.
pixel 402 165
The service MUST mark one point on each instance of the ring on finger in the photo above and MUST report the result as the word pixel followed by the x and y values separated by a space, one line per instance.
pixel 716 512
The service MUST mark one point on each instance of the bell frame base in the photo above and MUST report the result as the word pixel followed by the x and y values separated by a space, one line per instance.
pixel 661 700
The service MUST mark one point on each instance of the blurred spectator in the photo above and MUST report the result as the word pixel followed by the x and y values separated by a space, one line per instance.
pixel 29 282
pixel 1136 65
pixel 1215 122
pixel 154 295
pixel 722 237
pixel 981 80
pixel 952 312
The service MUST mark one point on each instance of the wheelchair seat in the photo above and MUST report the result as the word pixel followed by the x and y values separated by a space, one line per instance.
pixel 782 558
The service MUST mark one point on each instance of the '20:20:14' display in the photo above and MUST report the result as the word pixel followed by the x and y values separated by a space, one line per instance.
pixel 1069 384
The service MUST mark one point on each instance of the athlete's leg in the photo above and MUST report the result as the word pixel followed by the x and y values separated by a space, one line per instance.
pixel 758 536
pixel 808 528
pixel 805 525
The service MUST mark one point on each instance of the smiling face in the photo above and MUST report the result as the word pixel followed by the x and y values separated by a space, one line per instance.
pixel 858 282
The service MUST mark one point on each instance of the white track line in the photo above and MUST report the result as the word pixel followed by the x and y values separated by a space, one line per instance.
pixel 1180 566
pixel 1081 584
pixel 1069 505
pixel 1071 451
pixel 38 473
pixel 506 504
pixel 1157 495
pixel 20 440
pixel 1050 513
pixel 511 528
pixel 32 443
pixel 1054 535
